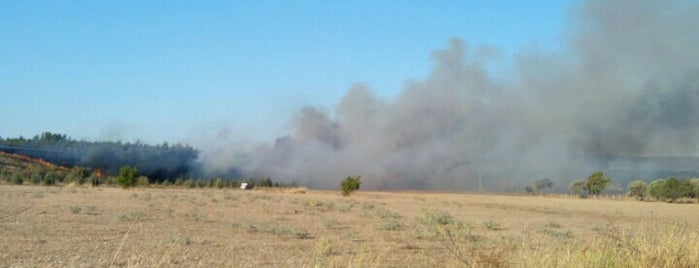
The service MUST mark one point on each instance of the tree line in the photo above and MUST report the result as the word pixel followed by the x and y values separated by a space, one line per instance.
pixel 157 162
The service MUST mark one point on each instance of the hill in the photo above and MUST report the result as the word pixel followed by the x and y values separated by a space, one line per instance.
pixel 10 163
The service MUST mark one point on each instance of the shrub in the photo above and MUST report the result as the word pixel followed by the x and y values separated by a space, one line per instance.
pixel 17 178
pixel 218 183
pixel 127 176
pixel 36 176
pixel 529 189
pixel 5 173
pixel 77 175
pixel 543 184
pixel 637 189
pixel 94 180
pixel 142 181
pixel 350 184
pixel 578 187
pixel 266 182
pixel 49 178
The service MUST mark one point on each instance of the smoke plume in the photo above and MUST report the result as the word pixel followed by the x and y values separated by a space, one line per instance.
pixel 626 84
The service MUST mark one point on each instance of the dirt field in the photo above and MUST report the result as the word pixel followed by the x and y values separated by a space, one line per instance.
pixel 87 227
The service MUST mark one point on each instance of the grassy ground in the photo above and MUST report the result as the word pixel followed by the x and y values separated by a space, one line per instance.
pixel 87 227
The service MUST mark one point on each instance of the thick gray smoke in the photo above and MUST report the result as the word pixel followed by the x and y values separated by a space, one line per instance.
pixel 626 84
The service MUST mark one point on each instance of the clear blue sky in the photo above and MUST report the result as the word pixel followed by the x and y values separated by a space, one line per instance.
pixel 177 70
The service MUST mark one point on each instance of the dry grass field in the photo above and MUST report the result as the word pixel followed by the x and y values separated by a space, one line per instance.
pixel 44 226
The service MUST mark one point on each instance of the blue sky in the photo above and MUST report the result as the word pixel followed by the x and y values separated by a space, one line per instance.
pixel 178 71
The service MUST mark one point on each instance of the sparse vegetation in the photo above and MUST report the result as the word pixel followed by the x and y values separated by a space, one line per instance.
pixel 195 227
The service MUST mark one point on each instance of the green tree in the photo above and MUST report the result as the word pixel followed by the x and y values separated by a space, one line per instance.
pixel 127 176
pixel 674 189
pixel 350 184
pixel 637 189
pixel 695 184
pixel 656 189
pixel 597 182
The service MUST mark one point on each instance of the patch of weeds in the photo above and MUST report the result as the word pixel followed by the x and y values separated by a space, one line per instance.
pixel 374 211
pixel 351 234
pixel 323 249
pixel 553 224
pixel 38 195
pixel 72 191
pixel 253 197
pixel 320 205
pixel 75 209
pixel 134 195
pixel 329 205
pixel 133 216
pixel 178 238
pixel 331 223
pixel 92 210
pixel 55 190
pixel 303 234
pixel 195 216
pixel 492 225
pixel 267 228
pixel 392 224
pixel 558 234
pixel 345 208
pixel 456 237
pixel 231 197
pixel 146 197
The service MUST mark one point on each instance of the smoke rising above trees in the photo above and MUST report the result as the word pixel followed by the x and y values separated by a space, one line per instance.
pixel 626 83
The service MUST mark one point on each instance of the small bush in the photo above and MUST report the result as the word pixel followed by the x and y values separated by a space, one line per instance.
pixel 75 209
pixel 142 181
pixel 127 176
pixel 17 179
pixel 578 187
pixel 350 184
pixel 49 179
